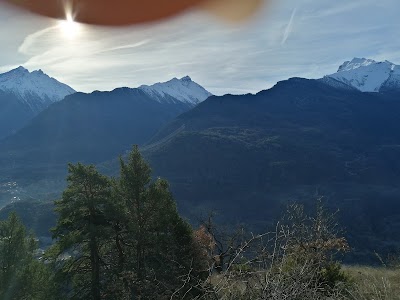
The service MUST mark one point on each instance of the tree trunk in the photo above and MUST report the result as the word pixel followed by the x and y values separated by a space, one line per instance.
pixel 121 256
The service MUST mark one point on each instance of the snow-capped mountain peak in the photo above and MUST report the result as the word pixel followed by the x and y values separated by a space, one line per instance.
pixel 36 85
pixel 355 63
pixel 184 90
pixel 368 75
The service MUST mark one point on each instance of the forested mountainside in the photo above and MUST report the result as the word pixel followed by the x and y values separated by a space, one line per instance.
pixel 247 156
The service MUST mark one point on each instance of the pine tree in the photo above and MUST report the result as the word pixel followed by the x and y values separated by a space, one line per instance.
pixel 84 229
pixel 122 239
pixel 157 242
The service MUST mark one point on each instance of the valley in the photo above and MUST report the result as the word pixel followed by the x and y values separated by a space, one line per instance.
pixel 244 157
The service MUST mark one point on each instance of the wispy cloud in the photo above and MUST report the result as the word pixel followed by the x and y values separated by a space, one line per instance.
pixel 30 40
pixel 289 26
pixel 308 38
pixel 130 46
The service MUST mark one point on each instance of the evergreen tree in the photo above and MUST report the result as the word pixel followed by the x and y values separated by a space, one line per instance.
pixel 122 239
pixel 158 244
pixel 21 275
pixel 83 230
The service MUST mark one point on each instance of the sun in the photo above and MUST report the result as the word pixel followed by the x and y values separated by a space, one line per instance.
pixel 69 27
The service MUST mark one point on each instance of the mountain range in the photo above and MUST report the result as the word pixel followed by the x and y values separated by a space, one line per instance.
pixel 89 127
pixel 243 156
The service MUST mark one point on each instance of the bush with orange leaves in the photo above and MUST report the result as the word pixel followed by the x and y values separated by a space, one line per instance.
pixel 205 244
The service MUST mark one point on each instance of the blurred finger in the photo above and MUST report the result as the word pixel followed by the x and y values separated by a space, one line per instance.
pixel 232 10
pixel 126 12
pixel 107 12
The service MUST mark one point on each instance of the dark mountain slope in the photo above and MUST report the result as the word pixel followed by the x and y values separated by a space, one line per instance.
pixel 303 123
pixel 89 128
pixel 13 114
pixel 246 156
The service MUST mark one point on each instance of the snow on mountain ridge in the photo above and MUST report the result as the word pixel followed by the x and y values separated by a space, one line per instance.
pixel 368 75
pixel 355 63
pixel 38 85
pixel 184 90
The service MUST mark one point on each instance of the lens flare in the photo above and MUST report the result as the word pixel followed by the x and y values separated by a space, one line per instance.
pixel 69 26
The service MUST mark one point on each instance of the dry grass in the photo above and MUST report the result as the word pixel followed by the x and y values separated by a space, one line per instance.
pixel 374 283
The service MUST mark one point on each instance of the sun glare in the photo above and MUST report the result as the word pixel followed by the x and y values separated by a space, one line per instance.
pixel 69 26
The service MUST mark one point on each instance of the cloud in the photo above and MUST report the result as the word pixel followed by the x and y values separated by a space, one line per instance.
pixel 31 39
pixel 318 36
pixel 289 26
pixel 130 46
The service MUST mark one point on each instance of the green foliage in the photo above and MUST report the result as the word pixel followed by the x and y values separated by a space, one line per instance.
pixel 333 275
pixel 38 216
pixel 21 275
pixel 157 242
pixel 83 230
pixel 36 282
pixel 122 238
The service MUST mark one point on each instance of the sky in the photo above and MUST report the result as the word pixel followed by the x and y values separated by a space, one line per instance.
pixel 287 38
